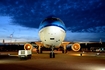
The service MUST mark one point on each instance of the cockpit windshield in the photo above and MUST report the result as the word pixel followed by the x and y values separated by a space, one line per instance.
pixel 52 21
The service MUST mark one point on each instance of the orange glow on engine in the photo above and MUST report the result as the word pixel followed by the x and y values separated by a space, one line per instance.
pixel 27 46
pixel 76 47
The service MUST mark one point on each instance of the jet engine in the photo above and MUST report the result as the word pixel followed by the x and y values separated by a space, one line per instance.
pixel 28 46
pixel 76 47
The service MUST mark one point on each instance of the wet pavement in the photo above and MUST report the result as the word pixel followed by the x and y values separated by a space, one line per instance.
pixel 69 61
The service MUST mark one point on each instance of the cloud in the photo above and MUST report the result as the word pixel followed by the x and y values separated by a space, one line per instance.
pixel 97 29
pixel 80 17
pixel 84 37
pixel 80 14
pixel 18 33
pixel 31 34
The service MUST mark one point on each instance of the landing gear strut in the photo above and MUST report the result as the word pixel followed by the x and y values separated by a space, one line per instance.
pixel 39 50
pixel 52 54
pixel 64 50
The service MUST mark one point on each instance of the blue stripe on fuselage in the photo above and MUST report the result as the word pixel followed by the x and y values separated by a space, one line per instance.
pixel 52 23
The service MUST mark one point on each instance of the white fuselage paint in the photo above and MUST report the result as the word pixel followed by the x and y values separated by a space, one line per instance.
pixel 52 36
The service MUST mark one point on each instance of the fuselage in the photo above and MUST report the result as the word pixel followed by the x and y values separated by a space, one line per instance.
pixel 52 32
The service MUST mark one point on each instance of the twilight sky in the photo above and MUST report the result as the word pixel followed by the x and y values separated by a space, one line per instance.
pixel 84 19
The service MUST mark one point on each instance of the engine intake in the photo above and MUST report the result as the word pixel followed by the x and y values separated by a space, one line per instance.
pixel 28 46
pixel 76 47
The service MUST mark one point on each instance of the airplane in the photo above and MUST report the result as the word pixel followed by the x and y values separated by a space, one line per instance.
pixel 52 32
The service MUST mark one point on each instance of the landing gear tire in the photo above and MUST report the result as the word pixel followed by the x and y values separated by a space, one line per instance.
pixel 62 51
pixel 41 50
pixel 65 51
pixel 52 55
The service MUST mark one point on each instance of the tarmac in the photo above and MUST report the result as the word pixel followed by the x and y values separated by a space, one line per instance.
pixel 68 61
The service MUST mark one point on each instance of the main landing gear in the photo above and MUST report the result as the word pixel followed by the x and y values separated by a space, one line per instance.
pixel 64 50
pixel 39 50
pixel 52 54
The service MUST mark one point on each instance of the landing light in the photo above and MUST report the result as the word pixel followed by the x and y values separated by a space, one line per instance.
pixel 28 47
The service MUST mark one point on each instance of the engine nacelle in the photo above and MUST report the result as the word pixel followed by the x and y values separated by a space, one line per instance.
pixel 76 47
pixel 28 46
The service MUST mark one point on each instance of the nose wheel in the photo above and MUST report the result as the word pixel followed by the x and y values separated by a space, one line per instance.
pixel 52 54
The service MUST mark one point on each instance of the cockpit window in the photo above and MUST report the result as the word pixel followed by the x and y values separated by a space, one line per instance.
pixel 52 21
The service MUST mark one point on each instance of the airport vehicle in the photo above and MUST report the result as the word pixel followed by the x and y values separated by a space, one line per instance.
pixel 24 54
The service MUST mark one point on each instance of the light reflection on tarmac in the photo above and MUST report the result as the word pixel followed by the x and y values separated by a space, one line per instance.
pixel 68 61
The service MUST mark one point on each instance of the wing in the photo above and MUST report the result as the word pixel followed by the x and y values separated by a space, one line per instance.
pixel 76 46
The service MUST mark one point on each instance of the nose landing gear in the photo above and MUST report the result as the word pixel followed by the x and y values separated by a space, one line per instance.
pixel 52 54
